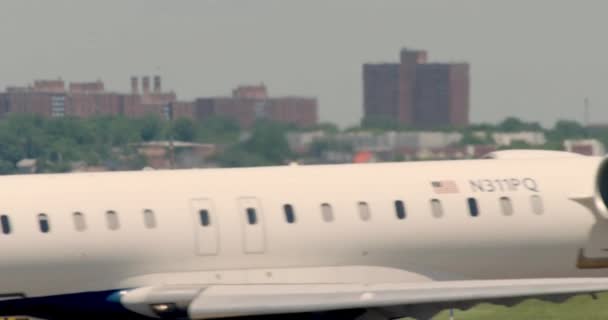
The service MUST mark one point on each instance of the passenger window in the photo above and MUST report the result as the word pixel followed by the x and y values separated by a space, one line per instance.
pixel 290 215
pixel 400 209
pixel 506 206
pixel 252 217
pixel 79 221
pixel 327 212
pixel 203 215
pixel 537 204
pixel 6 224
pixel 473 208
pixel 436 208
pixel 364 211
pixel 149 219
pixel 112 220
pixel 43 223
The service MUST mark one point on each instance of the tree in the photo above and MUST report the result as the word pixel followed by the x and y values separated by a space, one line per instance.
pixel 183 129
pixel 380 122
pixel 237 156
pixel 150 128
pixel 513 124
pixel 269 142
pixel 218 130
pixel 568 129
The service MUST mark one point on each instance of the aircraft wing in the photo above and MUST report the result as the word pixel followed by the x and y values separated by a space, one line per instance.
pixel 419 300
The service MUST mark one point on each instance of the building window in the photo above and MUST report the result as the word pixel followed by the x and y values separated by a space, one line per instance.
pixel 327 212
pixel 436 208
pixel 43 223
pixel 290 215
pixel 6 224
pixel 364 211
pixel 204 218
pixel 473 208
pixel 537 204
pixel 149 219
pixel 506 206
pixel 112 220
pixel 79 222
pixel 400 209
pixel 252 216
pixel 57 106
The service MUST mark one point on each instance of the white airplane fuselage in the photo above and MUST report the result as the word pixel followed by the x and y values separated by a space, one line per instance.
pixel 365 239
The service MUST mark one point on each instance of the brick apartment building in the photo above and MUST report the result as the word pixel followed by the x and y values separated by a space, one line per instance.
pixel 417 93
pixel 251 103
pixel 51 98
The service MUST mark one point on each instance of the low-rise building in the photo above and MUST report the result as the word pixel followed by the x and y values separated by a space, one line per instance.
pixel 532 138
pixel 176 154
pixel 51 98
pixel 588 147
pixel 249 104
pixel 391 140
pixel 300 142
pixel 27 165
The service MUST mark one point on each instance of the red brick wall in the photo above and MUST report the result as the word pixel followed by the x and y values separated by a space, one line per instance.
pixel 250 92
pixel 181 109
pixel 86 105
pixel 55 86
pixel 86 87
pixel 299 111
pixel 381 90
pixel 29 102
pixel 459 95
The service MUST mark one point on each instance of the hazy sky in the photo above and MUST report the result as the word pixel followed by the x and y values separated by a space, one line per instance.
pixel 536 59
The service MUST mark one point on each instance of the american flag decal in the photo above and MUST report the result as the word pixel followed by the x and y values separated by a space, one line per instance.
pixel 444 186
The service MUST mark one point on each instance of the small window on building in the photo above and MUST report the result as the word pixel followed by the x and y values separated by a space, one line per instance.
pixel 436 208
pixel 506 206
pixel 6 224
pixel 205 219
pixel 43 223
pixel 327 213
pixel 149 219
pixel 473 208
pixel 112 220
pixel 364 212
pixel 290 215
pixel 79 222
pixel 400 209
pixel 252 216
pixel 537 204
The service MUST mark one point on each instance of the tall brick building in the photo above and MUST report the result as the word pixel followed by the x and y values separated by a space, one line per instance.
pixel 417 93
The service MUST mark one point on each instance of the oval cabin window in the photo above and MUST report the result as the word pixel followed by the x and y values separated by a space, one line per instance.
pixel 79 222
pixel 290 215
pixel 6 224
pixel 537 204
pixel 43 223
pixel 436 208
pixel 506 206
pixel 364 212
pixel 204 218
pixel 149 219
pixel 327 213
pixel 473 207
pixel 112 220
pixel 252 216
pixel 400 209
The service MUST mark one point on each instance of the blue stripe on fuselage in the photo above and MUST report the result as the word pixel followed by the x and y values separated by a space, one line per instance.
pixel 86 305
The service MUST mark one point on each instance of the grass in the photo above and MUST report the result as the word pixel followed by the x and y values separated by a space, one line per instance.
pixel 577 308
